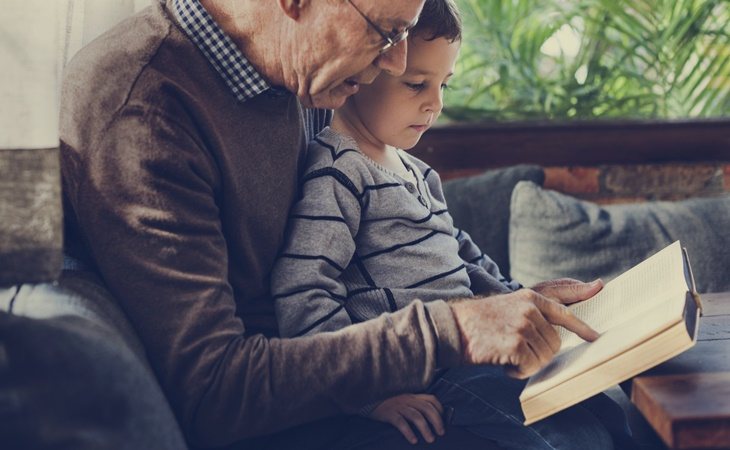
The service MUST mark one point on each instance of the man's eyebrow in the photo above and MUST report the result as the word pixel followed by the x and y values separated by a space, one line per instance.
pixel 400 23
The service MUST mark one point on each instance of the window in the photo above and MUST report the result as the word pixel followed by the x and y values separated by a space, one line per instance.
pixel 592 59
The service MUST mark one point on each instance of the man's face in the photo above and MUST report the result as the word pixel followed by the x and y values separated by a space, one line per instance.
pixel 337 51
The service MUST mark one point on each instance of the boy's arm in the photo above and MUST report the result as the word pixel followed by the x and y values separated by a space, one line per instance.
pixel 305 281
pixel 485 276
pixel 484 273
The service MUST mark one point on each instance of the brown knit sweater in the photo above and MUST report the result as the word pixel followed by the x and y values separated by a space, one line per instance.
pixel 178 195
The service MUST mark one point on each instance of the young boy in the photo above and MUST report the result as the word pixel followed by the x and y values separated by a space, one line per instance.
pixel 371 233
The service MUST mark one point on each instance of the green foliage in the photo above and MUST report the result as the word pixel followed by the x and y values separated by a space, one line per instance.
pixel 588 59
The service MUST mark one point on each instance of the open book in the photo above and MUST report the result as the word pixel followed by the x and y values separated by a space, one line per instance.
pixel 646 315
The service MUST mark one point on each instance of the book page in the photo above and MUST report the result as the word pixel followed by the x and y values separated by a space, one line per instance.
pixel 617 340
pixel 629 296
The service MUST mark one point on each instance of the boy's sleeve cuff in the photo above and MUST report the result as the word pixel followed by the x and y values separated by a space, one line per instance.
pixel 367 409
pixel 448 340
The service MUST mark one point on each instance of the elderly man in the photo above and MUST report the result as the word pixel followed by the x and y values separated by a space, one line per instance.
pixel 182 133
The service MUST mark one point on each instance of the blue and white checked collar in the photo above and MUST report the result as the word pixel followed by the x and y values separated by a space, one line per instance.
pixel 219 49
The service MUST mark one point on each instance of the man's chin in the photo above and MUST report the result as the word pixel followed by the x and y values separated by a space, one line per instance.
pixel 324 102
pixel 331 99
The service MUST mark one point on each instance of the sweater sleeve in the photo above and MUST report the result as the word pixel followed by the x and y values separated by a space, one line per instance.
pixel 149 212
pixel 305 281
pixel 484 274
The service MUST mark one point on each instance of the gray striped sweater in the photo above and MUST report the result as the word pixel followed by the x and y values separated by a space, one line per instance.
pixel 363 241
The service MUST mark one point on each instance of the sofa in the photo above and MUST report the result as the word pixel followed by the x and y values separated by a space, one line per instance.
pixel 73 375
pixel 535 234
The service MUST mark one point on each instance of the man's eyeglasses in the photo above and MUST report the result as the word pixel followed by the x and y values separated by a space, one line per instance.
pixel 390 39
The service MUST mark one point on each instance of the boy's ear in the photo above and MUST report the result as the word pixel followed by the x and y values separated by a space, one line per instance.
pixel 293 8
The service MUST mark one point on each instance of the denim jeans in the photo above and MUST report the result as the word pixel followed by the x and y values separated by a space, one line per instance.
pixel 485 401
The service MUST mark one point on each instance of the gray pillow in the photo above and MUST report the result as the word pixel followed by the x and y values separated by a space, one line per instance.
pixel 554 235
pixel 480 205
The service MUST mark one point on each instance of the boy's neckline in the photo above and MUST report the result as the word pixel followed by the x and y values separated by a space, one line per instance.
pixel 407 175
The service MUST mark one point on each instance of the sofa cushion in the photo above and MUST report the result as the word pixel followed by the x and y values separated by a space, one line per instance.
pixel 554 235
pixel 69 378
pixel 480 205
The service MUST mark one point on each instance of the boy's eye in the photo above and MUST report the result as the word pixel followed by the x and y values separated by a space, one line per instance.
pixel 416 86
pixel 444 86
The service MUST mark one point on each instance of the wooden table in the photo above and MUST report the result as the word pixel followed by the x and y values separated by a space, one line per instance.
pixel 687 399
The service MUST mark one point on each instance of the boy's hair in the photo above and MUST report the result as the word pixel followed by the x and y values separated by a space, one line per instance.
pixel 438 19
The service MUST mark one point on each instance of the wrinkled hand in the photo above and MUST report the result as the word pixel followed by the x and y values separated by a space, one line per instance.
pixel 405 410
pixel 515 329
pixel 568 290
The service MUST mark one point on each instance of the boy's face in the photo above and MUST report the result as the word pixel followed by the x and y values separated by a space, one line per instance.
pixel 397 110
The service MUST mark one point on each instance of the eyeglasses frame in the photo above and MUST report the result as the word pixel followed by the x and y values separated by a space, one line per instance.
pixel 391 39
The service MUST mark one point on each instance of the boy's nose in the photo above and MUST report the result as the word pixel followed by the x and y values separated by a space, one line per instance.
pixel 435 102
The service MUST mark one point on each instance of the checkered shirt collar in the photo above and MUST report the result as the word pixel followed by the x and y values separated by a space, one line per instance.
pixel 219 49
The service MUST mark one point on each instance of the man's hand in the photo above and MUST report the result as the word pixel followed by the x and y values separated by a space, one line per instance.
pixel 568 290
pixel 515 329
pixel 405 410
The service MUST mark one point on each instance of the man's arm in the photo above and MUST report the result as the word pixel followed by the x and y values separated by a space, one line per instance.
pixel 146 197
pixel 147 200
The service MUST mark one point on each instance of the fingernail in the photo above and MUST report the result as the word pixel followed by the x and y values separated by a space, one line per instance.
pixel 596 282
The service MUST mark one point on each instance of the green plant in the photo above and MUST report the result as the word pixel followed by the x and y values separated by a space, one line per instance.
pixel 588 59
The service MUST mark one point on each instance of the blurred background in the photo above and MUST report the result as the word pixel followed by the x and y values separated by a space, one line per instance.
pixel 592 59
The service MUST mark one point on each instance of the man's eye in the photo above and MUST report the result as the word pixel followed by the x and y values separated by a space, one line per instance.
pixel 416 86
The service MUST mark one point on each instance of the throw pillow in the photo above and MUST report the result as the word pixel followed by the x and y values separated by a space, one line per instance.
pixel 480 205
pixel 554 235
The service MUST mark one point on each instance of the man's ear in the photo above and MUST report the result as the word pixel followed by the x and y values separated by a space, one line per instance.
pixel 293 8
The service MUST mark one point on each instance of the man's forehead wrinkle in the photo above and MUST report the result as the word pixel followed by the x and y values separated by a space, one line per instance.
pixel 393 22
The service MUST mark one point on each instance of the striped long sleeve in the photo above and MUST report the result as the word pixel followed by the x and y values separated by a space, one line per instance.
pixel 363 241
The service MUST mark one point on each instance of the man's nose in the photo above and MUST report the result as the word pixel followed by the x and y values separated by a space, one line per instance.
pixel 393 62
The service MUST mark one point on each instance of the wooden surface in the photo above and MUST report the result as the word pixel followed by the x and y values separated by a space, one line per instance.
pixel 687 399
pixel 30 216
pixel 471 146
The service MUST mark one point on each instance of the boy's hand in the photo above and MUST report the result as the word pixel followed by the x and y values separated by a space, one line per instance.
pixel 405 410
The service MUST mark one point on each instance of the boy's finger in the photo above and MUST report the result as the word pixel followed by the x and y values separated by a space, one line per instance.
pixel 401 424
pixel 415 417
pixel 433 416
pixel 433 401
